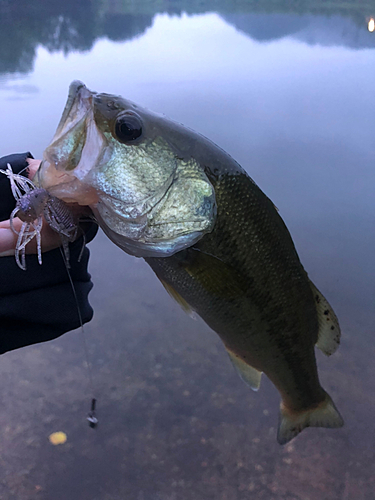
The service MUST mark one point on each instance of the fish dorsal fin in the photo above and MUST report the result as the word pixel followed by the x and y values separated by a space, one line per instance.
pixel 251 376
pixel 329 328
pixel 179 299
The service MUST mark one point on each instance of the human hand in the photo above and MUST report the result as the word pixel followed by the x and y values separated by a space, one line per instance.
pixel 45 292
pixel 8 238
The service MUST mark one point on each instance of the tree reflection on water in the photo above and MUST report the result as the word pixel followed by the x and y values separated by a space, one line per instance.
pixel 75 26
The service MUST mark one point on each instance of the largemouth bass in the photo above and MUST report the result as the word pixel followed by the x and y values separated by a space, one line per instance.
pixel 217 243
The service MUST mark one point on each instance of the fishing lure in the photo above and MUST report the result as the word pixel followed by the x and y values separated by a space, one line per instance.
pixel 32 203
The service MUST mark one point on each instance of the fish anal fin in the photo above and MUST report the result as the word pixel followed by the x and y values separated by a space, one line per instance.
pixel 179 299
pixel 292 423
pixel 251 376
pixel 329 329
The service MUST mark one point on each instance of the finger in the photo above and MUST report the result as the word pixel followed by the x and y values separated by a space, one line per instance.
pixel 33 167
pixel 8 239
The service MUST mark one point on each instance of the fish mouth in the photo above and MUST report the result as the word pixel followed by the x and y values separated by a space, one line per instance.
pixel 75 148
pixel 76 88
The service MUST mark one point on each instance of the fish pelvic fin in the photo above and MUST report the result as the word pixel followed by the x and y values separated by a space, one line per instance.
pixel 329 329
pixel 251 376
pixel 292 423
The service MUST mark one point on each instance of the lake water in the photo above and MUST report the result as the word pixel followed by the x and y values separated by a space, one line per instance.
pixel 290 96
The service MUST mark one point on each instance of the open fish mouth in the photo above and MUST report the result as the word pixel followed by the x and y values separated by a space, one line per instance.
pixel 70 137
pixel 79 97
pixel 75 147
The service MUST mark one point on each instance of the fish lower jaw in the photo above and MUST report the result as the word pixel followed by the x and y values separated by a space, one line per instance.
pixel 70 190
pixel 65 186
pixel 75 192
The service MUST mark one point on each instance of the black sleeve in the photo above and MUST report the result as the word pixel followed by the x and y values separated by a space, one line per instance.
pixel 39 304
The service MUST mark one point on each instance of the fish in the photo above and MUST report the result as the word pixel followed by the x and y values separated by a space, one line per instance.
pixel 217 243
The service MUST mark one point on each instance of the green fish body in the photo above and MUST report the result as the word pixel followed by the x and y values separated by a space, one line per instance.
pixel 214 239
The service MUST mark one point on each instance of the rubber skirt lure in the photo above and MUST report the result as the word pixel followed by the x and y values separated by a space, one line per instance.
pixel 32 204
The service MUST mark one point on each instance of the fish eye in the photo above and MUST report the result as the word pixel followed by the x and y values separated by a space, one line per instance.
pixel 128 127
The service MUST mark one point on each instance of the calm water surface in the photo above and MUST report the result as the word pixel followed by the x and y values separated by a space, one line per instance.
pixel 291 98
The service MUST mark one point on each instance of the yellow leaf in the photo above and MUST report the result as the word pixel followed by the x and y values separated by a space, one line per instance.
pixel 57 438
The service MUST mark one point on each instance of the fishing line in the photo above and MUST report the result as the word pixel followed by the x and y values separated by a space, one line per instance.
pixel 91 416
pixel 18 184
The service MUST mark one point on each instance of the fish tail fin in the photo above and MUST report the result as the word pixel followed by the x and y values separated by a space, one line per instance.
pixel 292 423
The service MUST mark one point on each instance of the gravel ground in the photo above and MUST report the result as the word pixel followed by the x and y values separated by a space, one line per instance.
pixel 175 420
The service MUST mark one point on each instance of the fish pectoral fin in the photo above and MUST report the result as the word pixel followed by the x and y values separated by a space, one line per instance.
pixel 292 423
pixel 179 299
pixel 216 276
pixel 329 329
pixel 251 376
